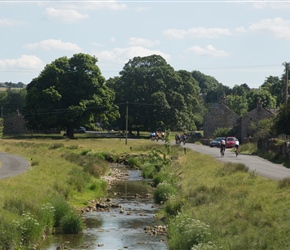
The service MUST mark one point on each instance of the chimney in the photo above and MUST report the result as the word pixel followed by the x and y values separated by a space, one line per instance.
pixel 259 104
pixel 223 100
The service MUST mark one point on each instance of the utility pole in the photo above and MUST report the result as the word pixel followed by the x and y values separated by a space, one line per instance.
pixel 126 133
pixel 285 90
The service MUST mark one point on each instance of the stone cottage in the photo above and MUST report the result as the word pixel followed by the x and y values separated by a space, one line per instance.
pixel 254 116
pixel 223 117
pixel 219 117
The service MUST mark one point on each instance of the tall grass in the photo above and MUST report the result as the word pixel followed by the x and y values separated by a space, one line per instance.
pixel 239 211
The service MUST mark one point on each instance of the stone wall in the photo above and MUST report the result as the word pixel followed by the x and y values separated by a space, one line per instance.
pixel 279 147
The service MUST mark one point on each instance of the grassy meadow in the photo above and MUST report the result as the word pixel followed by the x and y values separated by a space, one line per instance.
pixel 208 204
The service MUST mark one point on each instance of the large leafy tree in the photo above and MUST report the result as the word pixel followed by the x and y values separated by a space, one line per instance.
pixel 69 92
pixel 282 121
pixel 12 101
pixel 158 97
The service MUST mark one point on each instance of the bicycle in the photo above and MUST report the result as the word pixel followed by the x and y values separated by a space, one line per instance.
pixel 222 151
pixel 237 151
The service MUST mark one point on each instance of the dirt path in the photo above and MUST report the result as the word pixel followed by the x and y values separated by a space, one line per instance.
pixel 12 165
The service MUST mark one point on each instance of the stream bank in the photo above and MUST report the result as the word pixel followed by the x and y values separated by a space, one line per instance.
pixel 125 219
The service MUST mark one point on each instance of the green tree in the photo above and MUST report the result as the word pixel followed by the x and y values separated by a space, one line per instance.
pixel 12 101
pixel 275 86
pixel 282 121
pixel 238 104
pixel 159 98
pixel 262 94
pixel 69 92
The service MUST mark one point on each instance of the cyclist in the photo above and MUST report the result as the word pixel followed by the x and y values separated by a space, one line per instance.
pixel 223 147
pixel 237 145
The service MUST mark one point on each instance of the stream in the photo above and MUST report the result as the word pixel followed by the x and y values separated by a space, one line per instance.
pixel 123 226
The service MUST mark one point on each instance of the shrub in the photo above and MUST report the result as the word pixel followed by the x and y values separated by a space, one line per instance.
pixel 71 223
pixel 163 191
pixel 46 216
pixel 9 236
pixel 134 162
pixel 174 205
pixel 61 208
pixel 185 232
pixel 222 132
pixel 148 170
pixel 30 229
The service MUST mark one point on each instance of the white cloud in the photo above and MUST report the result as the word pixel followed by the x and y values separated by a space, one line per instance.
pixel 113 40
pixel 272 5
pixel 135 41
pixel 209 50
pixel 66 15
pixel 123 55
pixel 8 22
pixel 99 5
pixel 53 44
pixel 278 27
pixel 23 62
pixel 196 33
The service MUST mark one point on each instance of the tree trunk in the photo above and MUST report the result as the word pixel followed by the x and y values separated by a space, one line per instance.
pixel 70 131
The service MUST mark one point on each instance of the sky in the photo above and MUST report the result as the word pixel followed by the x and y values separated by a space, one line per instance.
pixel 235 42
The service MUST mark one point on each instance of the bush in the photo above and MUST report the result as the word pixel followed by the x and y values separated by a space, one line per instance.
pixel 148 170
pixel 163 191
pixel 30 229
pixel 46 216
pixel 134 162
pixel 174 205
pixel 222 132
pixel 184 232
pixel 71 223
pixel 9 236
pixel 61 208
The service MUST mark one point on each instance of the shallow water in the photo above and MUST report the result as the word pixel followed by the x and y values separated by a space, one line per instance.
pixel 116 230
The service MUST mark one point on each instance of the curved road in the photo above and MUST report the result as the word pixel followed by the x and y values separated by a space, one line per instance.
pixel 12 165
pixel 261 166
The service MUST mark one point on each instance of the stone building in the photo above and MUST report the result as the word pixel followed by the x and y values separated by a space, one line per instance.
pixel 219 117
pixel 223 117
pixel 254 116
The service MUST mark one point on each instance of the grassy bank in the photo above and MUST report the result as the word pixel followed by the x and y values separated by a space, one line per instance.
pixel 224 206
pixel 207 204
pixel 64 175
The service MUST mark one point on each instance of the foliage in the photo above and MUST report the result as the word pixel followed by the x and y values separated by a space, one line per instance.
pixel 71 223
pixel 9 237
pixel 185 232
pixel 164 191
pixel 174 205
pixel 68 93
pixel 12 101
pixel 282 121
pixel 61 208
pixel 157 97
pixel 222 132
pixel 262 129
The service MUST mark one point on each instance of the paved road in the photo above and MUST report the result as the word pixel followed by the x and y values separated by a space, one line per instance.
pixel 261 166
pixel 12 165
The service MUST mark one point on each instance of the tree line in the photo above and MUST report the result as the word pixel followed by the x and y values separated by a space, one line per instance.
pixel 148 95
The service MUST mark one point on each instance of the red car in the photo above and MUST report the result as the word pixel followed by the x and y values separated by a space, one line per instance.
pixel 230 141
